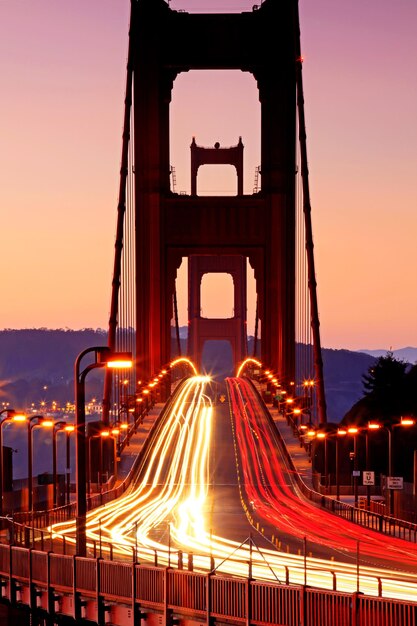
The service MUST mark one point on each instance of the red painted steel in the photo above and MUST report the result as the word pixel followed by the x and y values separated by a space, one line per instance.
pixel 326 608
pixel 61 570
pixel 385 612
pixel 233 600
pixel 20 563
pixel 39 566
pixel 86 574
pixel 116 579
pixel 186 590
pixel 150 585
pixel 228 597
pixel 273 604
pixel 4 559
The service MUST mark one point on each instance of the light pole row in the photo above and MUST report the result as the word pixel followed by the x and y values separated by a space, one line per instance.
pixel 32 422
pixel 354 431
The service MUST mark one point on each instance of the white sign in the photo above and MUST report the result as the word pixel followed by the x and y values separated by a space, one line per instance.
pixel 395 482
pixel 356 473
pixel 368 478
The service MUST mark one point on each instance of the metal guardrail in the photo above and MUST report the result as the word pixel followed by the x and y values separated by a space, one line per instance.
pixel 209 597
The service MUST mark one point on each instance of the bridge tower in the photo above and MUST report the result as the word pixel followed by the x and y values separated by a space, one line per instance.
pixel 202 329
pixel 258 227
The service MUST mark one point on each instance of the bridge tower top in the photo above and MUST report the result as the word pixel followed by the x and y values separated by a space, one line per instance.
pixel 216 156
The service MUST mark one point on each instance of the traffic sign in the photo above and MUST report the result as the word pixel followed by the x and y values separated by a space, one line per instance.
pixel 368 478
pixel 395 482
pixel 356 473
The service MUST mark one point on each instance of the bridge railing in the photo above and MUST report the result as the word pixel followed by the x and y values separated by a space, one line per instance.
pixel 205 596
pixel 376 521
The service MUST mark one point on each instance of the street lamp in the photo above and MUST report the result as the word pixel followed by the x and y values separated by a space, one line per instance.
pixel 11 415
pixel 103 357
pixel 323 436
pixel 341 432
pixel 45 423
pixel 68 429
pixel 103 434
pixel 405 421
pixel 353 430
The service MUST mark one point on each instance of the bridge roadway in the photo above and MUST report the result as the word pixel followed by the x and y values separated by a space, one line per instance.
pixel 191 497
pixel 193 504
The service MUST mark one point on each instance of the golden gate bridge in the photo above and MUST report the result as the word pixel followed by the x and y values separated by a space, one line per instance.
pixel 196 532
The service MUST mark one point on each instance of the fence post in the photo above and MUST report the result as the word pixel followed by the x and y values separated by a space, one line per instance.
pixel 355 609
pixel 302 600
pixel 248 601
pixel 208 598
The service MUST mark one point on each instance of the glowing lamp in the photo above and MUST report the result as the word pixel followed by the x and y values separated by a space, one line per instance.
pixel 19 417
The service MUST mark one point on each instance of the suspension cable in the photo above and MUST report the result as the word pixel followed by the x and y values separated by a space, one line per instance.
pixel 121 209
pixel 315 322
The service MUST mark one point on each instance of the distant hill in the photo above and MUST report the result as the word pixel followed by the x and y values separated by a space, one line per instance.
pixel 343 372
pixel 37 364
pixel 33 359
pixel 409 355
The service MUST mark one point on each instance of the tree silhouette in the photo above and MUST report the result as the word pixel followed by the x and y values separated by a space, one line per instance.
pixel 385 386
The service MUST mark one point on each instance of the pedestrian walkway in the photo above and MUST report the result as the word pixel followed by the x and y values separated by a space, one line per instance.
pixel 136 441
pixel 296 450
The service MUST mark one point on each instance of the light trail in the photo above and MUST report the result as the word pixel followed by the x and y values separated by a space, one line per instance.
pixel 172 489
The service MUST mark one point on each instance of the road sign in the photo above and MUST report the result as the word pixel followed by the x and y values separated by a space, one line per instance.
pixel 222 398
pixel 368 478
pixel 395 482
pixel 356 473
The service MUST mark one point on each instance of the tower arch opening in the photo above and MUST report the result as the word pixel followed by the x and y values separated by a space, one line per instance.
pixel 204 105
pixel 217 296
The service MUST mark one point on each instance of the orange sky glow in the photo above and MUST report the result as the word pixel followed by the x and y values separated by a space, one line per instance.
pixel 61 111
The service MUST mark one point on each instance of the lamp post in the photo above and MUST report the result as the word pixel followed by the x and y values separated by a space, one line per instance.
pixel 68 429
pixel 102 357
pixel 323 436
pixel 353 430
pixel 41 421
pixel 371 426
pixel 103 434
pixel 11 415
pixel 341 432
pixel 115 433
pixel 405 421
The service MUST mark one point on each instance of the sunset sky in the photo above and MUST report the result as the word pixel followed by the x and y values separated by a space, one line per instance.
pixel 62 68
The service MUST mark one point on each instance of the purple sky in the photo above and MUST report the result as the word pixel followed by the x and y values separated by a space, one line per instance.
pixel 63 71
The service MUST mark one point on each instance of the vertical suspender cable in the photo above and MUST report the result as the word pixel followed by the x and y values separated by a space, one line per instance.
pixel 312 284
pixel 177 327
pixel 121 209
pixel 255 339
